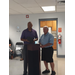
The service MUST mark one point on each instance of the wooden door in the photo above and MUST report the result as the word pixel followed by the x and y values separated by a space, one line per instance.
pixel 54 25
pixel 49 23
pixel 43 23
pixel 55 44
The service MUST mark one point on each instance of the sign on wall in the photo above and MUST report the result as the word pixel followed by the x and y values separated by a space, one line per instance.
pixel 59 29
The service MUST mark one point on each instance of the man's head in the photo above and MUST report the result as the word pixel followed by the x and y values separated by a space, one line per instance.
pixel 30 25
pixel 45 29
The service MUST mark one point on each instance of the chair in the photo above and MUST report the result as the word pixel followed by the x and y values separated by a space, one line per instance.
pixel 19 48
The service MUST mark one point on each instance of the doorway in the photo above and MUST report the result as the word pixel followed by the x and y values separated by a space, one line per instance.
pixel 53 29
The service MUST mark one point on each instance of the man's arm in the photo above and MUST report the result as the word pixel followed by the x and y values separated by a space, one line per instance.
pixel 35 39
pixel 48 44
pixel 24 40
pixel 23 36
pixel 51 40
pixel 40 44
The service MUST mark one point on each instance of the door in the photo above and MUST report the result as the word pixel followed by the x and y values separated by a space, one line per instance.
pixel 43 23
pixel 49 23
pixel 54 25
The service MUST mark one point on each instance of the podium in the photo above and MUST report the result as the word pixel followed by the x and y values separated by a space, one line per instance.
pixel 33 55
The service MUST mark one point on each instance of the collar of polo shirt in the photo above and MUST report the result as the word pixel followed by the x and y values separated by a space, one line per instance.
pixel 46 34
pixel 29 31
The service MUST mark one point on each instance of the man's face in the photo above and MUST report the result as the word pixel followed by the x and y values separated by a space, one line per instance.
pixel 30 25
pixel 45 30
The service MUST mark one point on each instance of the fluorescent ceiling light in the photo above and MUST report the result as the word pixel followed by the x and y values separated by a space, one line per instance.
pixel 48 8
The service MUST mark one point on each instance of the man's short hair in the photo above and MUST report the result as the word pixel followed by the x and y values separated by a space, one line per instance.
pixel 46 27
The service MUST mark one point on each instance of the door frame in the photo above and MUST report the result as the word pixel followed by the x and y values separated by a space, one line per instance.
pixel 49 19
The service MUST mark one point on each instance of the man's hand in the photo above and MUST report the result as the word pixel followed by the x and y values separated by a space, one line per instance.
pixel 24 40
pixel 48 44
pixel 42 46
pixel 27 40
pixel 35 39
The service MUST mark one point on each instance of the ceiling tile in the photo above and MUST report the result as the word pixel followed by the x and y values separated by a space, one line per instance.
pixel 30 4
pixel 13 12
pixel 27 3
pixel 60 8
pixel 46 2
pixel 23 1
pixel 17 7
pixel 35 10
pixel 60 0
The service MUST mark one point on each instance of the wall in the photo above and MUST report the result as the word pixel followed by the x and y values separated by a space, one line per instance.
pixel 21 20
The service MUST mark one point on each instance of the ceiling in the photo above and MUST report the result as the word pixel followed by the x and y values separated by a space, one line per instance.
pixel 34 6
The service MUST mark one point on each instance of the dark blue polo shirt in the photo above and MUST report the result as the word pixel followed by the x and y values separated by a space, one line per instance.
pixel 26 33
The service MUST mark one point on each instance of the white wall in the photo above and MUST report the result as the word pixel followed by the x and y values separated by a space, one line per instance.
pixel 21 20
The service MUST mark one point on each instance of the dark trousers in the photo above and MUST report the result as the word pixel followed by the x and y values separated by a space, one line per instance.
pixel 25 58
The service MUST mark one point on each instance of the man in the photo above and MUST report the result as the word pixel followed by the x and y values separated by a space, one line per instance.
pixel 29 36
pixel 46 42
pixel 10 50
